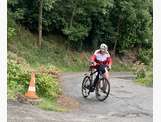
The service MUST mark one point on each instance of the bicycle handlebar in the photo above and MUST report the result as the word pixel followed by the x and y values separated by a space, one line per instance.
pixel 93 66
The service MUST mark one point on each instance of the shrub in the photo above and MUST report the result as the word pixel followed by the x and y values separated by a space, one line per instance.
pixel 145 56
pixel 47 86
pixel 144 74
pixel 18 81
pixel 17 78
pixel 11 30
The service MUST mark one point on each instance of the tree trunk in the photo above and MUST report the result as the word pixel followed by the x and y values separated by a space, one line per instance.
pixel 114 49
pixel 73 13
pixel 116 41
pixel 95 43
pixel 40 23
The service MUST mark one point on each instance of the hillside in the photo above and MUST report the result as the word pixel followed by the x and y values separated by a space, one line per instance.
pixel 52 53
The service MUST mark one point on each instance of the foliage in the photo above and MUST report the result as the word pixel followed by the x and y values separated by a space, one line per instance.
pixel 18 81
pixel 147 80
pixel 144 74
pixel 17 78
pixel 47 86
pixel 145 55
pixel 133 23
pixel 51 55
pixel 88 23
pixel 11 31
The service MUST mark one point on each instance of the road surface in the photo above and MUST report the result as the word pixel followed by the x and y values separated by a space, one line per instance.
pixel 127 102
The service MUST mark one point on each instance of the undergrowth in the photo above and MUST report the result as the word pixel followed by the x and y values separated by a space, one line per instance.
pixel 47 85
pixel 51 105
pixel 144 74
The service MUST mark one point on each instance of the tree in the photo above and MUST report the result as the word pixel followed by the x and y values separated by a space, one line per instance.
pixel 87 23
pixel 40 23
pixel 132 23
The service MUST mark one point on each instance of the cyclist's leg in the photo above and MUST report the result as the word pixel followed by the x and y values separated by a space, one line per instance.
pixel 96 79
pixel 104 71
pixel 106 75
pixel 101 70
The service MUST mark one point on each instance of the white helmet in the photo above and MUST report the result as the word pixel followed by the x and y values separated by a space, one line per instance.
pixel 103 47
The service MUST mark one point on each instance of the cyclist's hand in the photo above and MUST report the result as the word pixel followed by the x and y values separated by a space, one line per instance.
pixel 109 66
pixel 93 63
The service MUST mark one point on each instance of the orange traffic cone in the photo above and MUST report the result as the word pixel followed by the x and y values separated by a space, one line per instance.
pixel 31 93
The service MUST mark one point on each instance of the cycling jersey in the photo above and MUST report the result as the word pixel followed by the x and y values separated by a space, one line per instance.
pixel 100 58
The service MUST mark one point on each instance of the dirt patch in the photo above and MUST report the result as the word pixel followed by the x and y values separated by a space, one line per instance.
pixel 23 99
pixel 68 102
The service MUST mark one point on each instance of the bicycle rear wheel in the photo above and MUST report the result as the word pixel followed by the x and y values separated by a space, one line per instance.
pixel 86 86
pixel 102 89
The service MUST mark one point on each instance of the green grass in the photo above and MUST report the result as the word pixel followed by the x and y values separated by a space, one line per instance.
pixel 145 75
pixel 11 93
pixel 118 67
pixel 51 105
pixel 52 52
pixel 147 81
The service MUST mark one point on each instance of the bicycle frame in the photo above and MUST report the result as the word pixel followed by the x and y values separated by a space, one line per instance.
pixel 90 78
pixel 92 73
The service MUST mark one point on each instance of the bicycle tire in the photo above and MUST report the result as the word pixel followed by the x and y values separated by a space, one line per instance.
pixel 106 86
pixel 86 81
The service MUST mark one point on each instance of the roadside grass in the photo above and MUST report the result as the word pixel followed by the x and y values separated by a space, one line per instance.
pixel 11 93
pixel 144 75
pixel 51 105
pixel 119 67
pixel 47 85
pixel 147 80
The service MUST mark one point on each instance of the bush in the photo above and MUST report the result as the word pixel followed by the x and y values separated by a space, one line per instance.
pixel 147 80
pixel 11 30
pixel 47 86
pixel 145 56
pixel 144 74
pixel 18 81
pixel 17 78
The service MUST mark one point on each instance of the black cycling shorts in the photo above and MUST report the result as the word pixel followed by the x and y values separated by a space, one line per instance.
pixel 101 69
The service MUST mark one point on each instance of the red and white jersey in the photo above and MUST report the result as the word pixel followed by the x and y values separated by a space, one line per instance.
pixel 100 58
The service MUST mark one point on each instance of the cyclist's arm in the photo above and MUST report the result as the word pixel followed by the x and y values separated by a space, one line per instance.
pixel 93 60
pixel 93 57
pixel 109 61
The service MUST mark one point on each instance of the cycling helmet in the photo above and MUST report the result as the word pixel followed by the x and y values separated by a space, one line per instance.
pixel 103 47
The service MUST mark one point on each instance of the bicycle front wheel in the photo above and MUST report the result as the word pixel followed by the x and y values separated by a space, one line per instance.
pixel 86 86
pixel 102 89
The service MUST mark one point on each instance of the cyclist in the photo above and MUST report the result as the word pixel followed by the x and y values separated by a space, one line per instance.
pixel 101 59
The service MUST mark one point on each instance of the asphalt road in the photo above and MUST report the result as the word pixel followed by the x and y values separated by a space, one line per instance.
pixel 127 102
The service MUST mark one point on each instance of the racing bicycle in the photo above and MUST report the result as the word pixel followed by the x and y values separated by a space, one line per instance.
pixel 102 88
